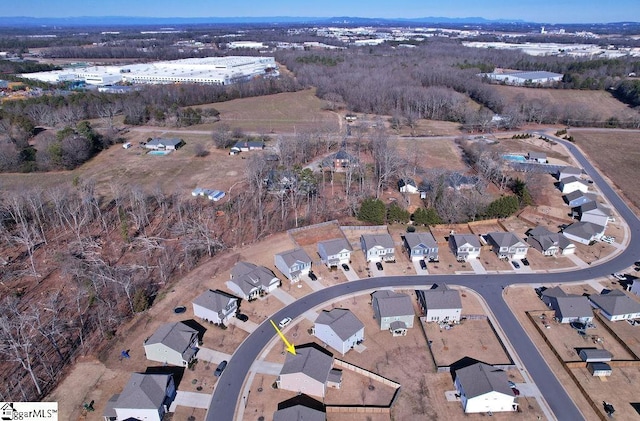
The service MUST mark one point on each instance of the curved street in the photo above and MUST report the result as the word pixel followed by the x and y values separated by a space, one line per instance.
pixel 225 397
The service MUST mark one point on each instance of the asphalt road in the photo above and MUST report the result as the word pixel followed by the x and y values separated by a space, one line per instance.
pixel 229 388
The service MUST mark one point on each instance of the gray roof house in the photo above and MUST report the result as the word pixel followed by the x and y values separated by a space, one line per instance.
pixel 568 172
pixel 539 157
pixel 507 245
pixel 593 212
pixel 583 232
pixel 339 328
pixel 572 308
pixel 549 243
pixel 306 372
pixel 421 245
pixel 164 144
pixel 250 281
pixel 616 305
pixel 440 304
pixel 293 263
pixel 246 146
pixel 407 185
pixel 172 343
pixel 549 294
pixel 335 252
pixel 464 246
pixel 394 311
pixel 378 247
pixel 299 413
pixel 578 198
pixel 144 397
pixel 215 306
pixel 485 389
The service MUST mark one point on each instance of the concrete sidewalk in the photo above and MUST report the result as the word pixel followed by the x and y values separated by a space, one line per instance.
pixel 577 261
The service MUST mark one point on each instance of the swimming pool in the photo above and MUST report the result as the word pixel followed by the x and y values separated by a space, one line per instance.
pixel 158 152
pixel 515 158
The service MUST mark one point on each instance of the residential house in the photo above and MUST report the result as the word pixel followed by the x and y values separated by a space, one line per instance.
pixel 421 245
pixel 215 306
pixel 407 185
pixel 578 198
pixel 572 308
pixel 249 281
pixel 507 245
pixel 246 146
pixel 635 287
pixel 164 144
pixel 340 161
pixel 549 294
pixel 583 232
pixel 483 388
pixel 335 252
pixel 308 371
pixel 378 247
pixel 464 246
pixel 593 212
pixel 568 172
pixel 172 343
pixel 299 413
pixel 539 157
pixel 616 305
pixel 440 304
pixel 293 263
pixel 339 328
pixel 394 311
pixel 457 181
pixel 549 243
pixel 144 397
pixel 572 183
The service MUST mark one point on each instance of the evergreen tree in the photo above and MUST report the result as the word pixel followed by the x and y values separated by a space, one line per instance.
pixel 372 211
pixel 503 207
pixel 396 214
pixel 427 216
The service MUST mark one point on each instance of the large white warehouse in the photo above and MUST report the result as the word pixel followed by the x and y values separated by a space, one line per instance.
pixel 209 70
pixel 523 78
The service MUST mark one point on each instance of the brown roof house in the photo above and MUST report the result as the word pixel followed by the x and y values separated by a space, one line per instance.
pixel 309 371
pixel 145 397
pixel 339 328
pixel 172 343
pixel 394 311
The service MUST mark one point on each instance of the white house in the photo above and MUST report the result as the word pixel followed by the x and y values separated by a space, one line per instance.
pixel 378 247
pixel 440 304
pixel 172 343
pixel 394 311
pixel 293 263
pixel 309 371
pixel 335 252
pixel 339 328
pixel 144 397
pixel 464 246
pixel 539 157
pixel 583 232
pixel 421 245
pixel 164 144
pixel 593 212
pixel 249 281
pixel 572 183
pixel 616 305
pixel 507 245
pixel 549 243
pixel 484 388
pixel 568 172
pixel 215 306
pixel 407 185
pixel 578 198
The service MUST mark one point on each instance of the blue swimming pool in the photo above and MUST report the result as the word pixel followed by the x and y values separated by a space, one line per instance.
pixel 158 152
pixel 515 158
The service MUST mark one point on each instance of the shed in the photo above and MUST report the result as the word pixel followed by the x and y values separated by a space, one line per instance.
pixel 599 369
pixel 594 355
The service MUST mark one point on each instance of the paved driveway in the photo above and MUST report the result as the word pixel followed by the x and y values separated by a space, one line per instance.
pixel 190 399
pixel 351 274
pixel 476 264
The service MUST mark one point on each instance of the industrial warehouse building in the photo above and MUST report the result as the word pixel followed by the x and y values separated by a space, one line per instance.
pixel 209 71
pixel 523 78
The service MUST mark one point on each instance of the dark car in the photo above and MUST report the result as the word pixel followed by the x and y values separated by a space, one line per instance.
pixel 345 267
pixel 423 265
pixel 578 325
pixel 515 264
pixel 242 317
pixel 525 261
pixel 313 276
pixel 220 368
pixel 379 266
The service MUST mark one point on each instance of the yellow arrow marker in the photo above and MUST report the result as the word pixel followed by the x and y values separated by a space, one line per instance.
pixel 290 347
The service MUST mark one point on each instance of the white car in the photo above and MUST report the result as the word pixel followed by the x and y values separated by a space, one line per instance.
pixel 284 322
pixel 607 239
pixel 620 276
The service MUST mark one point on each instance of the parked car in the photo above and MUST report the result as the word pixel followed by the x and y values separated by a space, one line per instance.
pixel 607 239
pixel 284 322
pixel 312 276
pixel 379 266
pixel 525 261
pixel 636 263
pixel 620 276
pixel 220 368
pixel 423 265
pixel 242 317
pixel 515 264
pixel 345 267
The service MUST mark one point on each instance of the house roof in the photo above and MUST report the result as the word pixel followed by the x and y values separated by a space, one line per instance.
pixel 166 142
pixel 585 230
pixel 342 155
pixel 420 240
pixel 456 180
pixel 537 155
pixel 249 144
pixel 505 239
pixel 480 378
pixel 545 238
pixel 249 276
pixel 214 300
pixel 176 336
pixel 407 182
pixel 461 239
pixel 397 324
pixel 554 292
pixel 342 321
pixel 335 246
pixel 299 413
pixel 392 304
pixel 577 194
pixel 144 391
pixel 595 208
pixel 570 171
pixel 377 240
pixel 110 408
pixel 441 297
pixel 291 257
pixel 615 303
pixel 573 306
pixel 600 354
pixel 309 361
pixel 573 179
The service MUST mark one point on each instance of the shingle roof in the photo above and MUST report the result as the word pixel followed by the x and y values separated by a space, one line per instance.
pixel 310 361
pixel 342 321
pixel 594 206
pixel 420 240
pixel 441 298
pixel 335 246
pixel 461 239
pixel 248 276
pixel 407 182
pixel 144 391
pixel 537 155
pixel 299 413
pixel 554 292
pixel 214 300
pixel 377 240
pixel 573 306
pixel 615 303
pixel 392 304
pixel 585 230
pixel 570 171
pixel 294 256
pixel 573 179
pixel 600 354
pixel 481 378
pixel 176 336
pixel 158 141
pixel 504 239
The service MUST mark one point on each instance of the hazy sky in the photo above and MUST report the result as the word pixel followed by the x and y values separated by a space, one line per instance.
pixel 547 11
